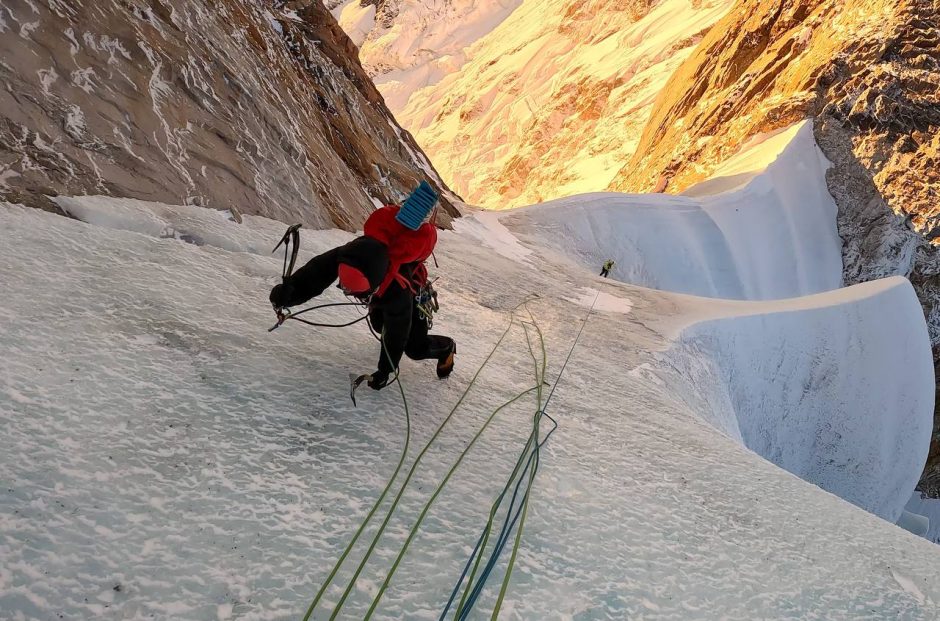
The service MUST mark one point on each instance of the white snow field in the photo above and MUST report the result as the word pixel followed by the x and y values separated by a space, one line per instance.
pixel 427 40
pixel 164 456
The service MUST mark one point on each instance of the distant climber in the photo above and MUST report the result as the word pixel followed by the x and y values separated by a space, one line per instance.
pixel 608 265
pixel 384 268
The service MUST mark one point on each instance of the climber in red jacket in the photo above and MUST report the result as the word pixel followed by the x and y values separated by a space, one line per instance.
pixel 386 267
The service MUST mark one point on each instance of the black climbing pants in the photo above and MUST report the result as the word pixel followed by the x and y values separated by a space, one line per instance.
pixel 406 331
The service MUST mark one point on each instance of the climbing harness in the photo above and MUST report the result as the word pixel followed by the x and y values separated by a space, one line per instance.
pixel 290 241
pixel 522 477
pixel 523 474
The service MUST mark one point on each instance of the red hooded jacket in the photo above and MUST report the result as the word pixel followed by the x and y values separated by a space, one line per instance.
pixel 404 245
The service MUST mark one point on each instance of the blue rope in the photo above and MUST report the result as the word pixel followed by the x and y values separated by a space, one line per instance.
pixel 463 574
pixel 509 522
pixel 503 535
pixel 512 516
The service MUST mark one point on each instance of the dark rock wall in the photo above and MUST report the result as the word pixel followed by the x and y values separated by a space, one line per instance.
pixel 257 104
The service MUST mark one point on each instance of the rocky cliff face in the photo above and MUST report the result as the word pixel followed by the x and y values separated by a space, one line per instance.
pixel 257 104
pixel 869 72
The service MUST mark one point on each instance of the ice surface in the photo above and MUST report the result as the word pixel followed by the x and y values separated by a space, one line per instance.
pixel 928 508
pixel 831 387
pixel 165 456
pixel 768 238
pixel 914 523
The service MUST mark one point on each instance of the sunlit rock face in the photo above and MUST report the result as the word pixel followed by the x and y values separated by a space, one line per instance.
pixel 869 71
pixel 252 104
pixel 517 101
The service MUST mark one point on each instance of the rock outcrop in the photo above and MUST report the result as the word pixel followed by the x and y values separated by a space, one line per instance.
pixel 260 105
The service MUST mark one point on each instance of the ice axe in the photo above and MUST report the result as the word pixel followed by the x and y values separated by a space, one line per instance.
pixel 354 382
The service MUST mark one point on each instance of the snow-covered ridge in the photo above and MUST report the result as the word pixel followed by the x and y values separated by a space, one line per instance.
pixel 750 234
pixel 837 388
pixel 923 510
pixel 790 379
pixel 869 70
pixel 415 44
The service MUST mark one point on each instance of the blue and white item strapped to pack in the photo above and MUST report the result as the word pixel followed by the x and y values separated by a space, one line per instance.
pixel 417 206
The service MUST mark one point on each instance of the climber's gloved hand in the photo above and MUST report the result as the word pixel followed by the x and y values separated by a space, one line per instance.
pixel 378 380
pixel 281 294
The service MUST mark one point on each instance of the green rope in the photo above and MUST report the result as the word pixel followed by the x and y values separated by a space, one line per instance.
pixel 414 466
pixel 427 506
pixel 515 545
pixel 532 472
pixel 525 501
pixel 362 527
pixel 440 487
pixel 488 529
pixel 494 508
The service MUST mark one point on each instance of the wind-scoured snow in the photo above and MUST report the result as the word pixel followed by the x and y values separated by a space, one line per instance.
pixel 356 19
pixel 823 386
pixel 165 455
pixel 773 375
pixel 426 41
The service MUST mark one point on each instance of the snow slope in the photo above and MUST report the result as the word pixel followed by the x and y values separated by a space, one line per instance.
pixel 357 20
pixel 753 233
pixel 787 372
pixel 165 455
pixel 424 41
